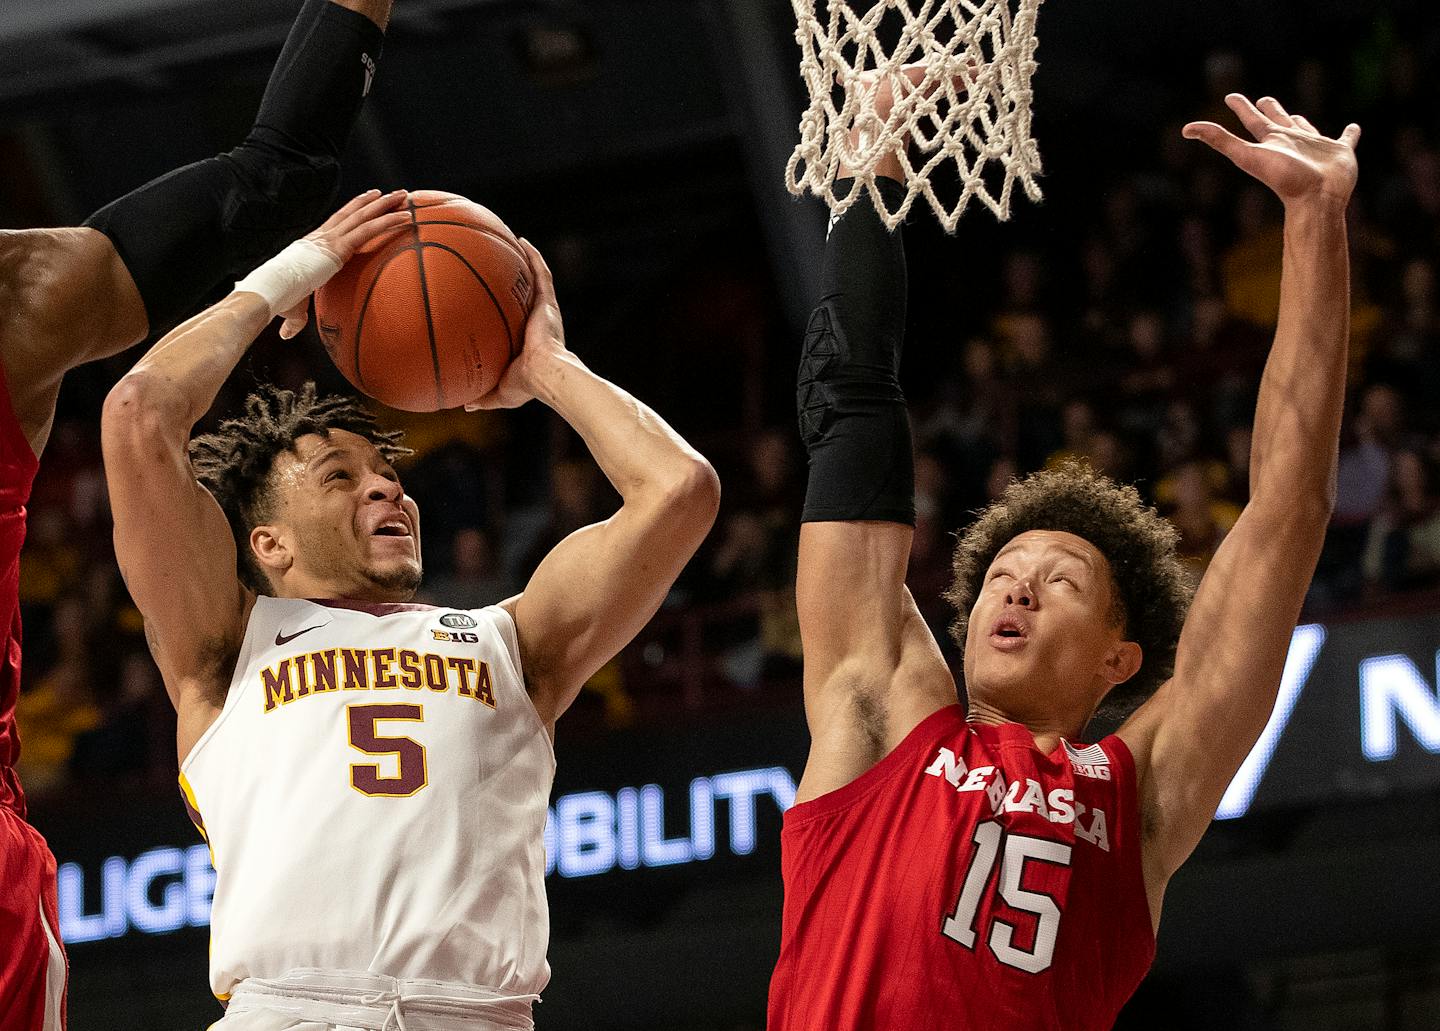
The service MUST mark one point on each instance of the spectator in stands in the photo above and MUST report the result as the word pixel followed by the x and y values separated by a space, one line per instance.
pixel 971 414
pixel 1077 432
pixel 1362 480
pixel 1178 438
pixel 1148 375
pixel 461 473
pixel 1196 239
pixel 124 742
pixel 929 573
pixel 755 557
pixel 1189 498
pixel 1236 488
pixel 1251 265
pixel 1407 351
pixel 1109 455
pixel 1402 550
pixel 59 705
pixel 53 557
pixel 472 578
pixel 1410 202
pixel 1033 377
pixel 1364 470
pixel 576 500
pixel 1102 303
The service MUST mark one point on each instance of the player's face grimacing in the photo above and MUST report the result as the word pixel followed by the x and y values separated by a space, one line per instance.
pixel 343 524
pixel 1043 642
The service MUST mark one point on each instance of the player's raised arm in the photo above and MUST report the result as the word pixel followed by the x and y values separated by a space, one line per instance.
pixel 1192 736
pixel 861 632
pixel 172 541
pixel 598 587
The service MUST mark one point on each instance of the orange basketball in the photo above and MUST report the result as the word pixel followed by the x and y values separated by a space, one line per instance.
pixel 431 317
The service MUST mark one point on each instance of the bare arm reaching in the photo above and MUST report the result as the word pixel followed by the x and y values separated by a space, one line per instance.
pixel 1192 736
pixel 872 668
pixel 172 542
pixel 598 587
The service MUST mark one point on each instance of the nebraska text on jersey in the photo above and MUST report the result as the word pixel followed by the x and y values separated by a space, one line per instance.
pixel 1023 795
pixel 972 880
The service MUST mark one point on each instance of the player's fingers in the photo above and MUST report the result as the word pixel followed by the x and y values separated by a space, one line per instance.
pixel 1301 122
pixel 351 206
pixel 378 226
pixel 1275 111
pixel 1250 116
pixel 1214 136
pixel 544 280
pixel 295 320
pixel 491 402
pixel 372 209
pixel 1351 135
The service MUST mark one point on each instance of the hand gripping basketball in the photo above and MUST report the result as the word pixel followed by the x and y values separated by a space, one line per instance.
pixel 429 317
pixel 291 278
pixel 544 341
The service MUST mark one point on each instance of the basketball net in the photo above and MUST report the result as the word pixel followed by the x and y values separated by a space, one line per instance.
pixel 972 106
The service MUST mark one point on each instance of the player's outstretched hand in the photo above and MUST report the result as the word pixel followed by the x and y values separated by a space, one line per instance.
pixel 1289 154
pixel 910 78
pixel 356 227
pixel 544 341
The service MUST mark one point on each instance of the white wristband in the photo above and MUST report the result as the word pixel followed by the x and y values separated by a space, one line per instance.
pixel 291 276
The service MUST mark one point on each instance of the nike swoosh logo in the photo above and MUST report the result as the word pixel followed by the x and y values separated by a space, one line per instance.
pixel 283 639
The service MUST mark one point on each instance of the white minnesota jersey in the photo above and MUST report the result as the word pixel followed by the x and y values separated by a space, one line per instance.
pixel 374 798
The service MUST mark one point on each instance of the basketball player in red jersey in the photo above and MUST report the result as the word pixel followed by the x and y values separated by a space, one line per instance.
pixel 69 296
pixel 980 868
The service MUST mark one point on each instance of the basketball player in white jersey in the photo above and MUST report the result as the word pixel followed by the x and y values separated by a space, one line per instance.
pixel 371 776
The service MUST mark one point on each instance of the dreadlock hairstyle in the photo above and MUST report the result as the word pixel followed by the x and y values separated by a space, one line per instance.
pixel 235 461
pixel 1152 591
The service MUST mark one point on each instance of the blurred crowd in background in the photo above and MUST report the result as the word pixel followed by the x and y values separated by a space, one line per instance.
pixel 1132 338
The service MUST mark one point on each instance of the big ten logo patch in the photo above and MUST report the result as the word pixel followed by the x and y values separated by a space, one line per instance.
pixel 457 636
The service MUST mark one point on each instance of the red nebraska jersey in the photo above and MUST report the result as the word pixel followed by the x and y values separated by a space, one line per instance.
pixel 32 961
pixel 967 880
pixel 17 472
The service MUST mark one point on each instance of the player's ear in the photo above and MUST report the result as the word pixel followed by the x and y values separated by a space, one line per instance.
pixel 271 550
pixel 1122 662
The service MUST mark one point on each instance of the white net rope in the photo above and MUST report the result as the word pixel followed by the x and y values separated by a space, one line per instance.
pixel 960 78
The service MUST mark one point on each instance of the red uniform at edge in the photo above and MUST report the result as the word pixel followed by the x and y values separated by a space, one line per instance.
pixel 966 881
pixel 30 960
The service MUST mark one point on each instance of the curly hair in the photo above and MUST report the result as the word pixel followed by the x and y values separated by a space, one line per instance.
pixel 234 463
pixel 1151 589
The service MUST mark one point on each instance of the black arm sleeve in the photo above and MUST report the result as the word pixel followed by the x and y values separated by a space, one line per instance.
pixel 852 412
pixel 186 233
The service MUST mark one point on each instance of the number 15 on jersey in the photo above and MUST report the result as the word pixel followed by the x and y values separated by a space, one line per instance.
pixel 1018 850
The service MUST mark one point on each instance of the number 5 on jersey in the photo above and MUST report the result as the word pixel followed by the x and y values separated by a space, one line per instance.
pixel 411 772
pixel 960 925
